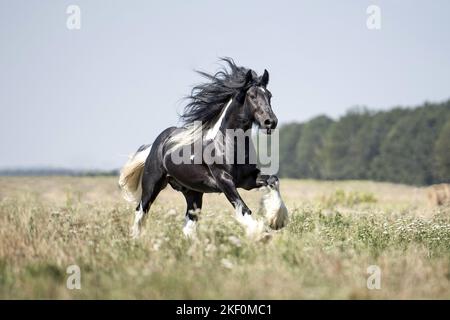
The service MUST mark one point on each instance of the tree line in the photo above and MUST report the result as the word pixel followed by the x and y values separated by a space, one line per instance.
pixel 403 145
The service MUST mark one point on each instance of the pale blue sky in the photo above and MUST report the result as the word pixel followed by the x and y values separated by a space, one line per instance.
pixel 87 98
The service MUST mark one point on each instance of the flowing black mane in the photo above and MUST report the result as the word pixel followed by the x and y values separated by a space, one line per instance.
pixel 207 100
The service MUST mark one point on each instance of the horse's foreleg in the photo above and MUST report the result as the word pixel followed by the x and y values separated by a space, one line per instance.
pixel 226 184
pixel 243 213
pixel 272 204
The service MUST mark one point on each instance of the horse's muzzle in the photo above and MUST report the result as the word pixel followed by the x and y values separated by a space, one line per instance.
pixel 270 124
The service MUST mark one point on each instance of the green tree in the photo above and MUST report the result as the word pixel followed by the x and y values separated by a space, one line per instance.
pixel 405 145
pixel 289 136
pixel 310 146
pixel 380 127
pixel 406 154
pixel 442 153
pixel 340 150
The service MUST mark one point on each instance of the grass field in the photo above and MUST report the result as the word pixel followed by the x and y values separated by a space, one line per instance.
pixel 337 230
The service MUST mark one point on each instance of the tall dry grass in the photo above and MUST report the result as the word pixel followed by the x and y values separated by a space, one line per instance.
pixel 47 224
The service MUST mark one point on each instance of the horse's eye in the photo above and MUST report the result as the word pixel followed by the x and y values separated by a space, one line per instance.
pixel 252 96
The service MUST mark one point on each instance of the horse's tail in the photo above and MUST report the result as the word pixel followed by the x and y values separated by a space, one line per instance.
pixel 131 175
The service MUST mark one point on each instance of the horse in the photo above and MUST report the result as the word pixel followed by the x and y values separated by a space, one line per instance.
pixel 234 98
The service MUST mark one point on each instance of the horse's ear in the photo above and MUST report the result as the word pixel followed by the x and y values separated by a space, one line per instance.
pixel 248 78
pixel 265 78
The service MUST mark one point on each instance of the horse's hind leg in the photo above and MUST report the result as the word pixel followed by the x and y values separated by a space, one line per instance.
pixel 194 201
pixel 153 181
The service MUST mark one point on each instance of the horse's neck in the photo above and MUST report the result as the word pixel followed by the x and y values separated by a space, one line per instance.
pixel 233 118
pixel 228 119
pixel 237 120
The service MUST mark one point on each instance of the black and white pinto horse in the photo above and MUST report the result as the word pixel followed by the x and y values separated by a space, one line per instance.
pixel 233 98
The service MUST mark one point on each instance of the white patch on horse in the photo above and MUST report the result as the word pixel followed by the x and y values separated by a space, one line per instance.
pixel 262 89
pixel 212 133
pixel 185 136
pixel 252 226
pixel 190 227
pixel 274 208
pixel 136 228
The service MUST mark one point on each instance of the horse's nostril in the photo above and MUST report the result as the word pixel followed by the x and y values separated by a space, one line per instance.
pixel 268 122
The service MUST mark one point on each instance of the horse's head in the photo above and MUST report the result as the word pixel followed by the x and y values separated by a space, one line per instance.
pixel 256 101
